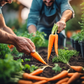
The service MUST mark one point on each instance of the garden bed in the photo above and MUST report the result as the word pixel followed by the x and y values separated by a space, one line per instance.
pixel 48 72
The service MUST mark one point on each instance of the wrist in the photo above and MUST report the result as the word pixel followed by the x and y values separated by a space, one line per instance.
pixel 63 19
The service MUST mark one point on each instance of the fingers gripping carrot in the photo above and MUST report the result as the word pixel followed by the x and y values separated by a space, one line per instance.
pixel 77 68
pixel 50 44
pixel 38 57
pixel 56 44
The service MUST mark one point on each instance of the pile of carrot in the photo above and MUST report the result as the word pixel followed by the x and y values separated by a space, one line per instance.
pixel 63 77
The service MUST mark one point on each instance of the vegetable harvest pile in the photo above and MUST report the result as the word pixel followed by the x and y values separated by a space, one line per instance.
pixel 25 70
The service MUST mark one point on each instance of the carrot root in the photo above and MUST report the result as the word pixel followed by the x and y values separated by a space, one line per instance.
pixel 62 80
pixel 24 82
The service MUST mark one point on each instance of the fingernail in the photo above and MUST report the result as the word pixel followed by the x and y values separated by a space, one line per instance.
pixel 33 50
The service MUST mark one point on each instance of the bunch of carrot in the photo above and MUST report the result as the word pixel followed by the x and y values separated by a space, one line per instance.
pixel 63 77
pixel 53 39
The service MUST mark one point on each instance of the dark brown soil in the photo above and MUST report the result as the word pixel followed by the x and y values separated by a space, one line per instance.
pixel 48 72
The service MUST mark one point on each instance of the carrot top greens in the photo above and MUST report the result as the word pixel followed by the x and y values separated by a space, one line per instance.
pixel 65 55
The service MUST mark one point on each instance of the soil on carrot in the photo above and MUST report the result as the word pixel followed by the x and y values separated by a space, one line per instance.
pixel 48 72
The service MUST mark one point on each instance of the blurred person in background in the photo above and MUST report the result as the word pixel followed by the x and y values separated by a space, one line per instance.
pixel 44 13
pixel 7 36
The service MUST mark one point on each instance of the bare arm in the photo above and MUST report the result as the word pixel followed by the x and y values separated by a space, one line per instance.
pixel 4 27
pixel 65 17
pixel 32 29
pixel 21 43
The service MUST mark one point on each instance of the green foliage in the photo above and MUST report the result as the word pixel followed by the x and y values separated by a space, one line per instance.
pixel 56 68
pixel 65 55
pixel 80 35
pixel 16 53
pixel 8 67
pixel 4 50
pixel 13 6
pixel 30 68
pixel 38 39
pixel 26 59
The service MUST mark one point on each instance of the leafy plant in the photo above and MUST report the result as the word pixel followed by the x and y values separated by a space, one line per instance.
pixel 4 50
pixel 30 68
pixel 65 55
pixel 38 39
pixel 56 68
pixel 8 67
pixel 15 52
pixel 26 59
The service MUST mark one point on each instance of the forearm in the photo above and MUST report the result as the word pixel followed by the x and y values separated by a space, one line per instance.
pixel 6 37
pixel 32 29
pixel 4 27
pixel 66 16
pixel 8 30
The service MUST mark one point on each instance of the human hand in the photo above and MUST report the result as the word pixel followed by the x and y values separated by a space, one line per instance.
pixel 61 25
pixel 24 45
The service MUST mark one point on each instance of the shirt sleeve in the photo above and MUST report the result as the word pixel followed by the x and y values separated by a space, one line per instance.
pixel 33 16
pixel 65 5
pixel 0 11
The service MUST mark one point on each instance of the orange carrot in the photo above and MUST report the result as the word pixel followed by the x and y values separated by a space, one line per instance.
pixel 50 44
pixel 62 80
pixel 56 44
pixel 11 46
pixel 61 75
pixel 24 82
pixel 82 77
pixel 82 82
pixel 64 83
pixel 38 57
pixel 38 71
pixel 77 68
pixel 74 77
pixel 41 82
pixel 32 77
pixel 71 74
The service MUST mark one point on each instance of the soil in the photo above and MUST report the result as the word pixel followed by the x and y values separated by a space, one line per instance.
pixel 48 72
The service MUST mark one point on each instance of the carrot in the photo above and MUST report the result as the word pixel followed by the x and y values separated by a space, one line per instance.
pixel 56 44
pixel 77 68
pixel 62 80
pixel 41 82
pixel 64 83
pixel 74 77
pixel 82 77
pixel 32 77
pixel 61 75
pixel 38 71
pixel 38 57
pixel 11 46
pixel 71 74
pixel 24 82
pixel 82 82
pixel 50 45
